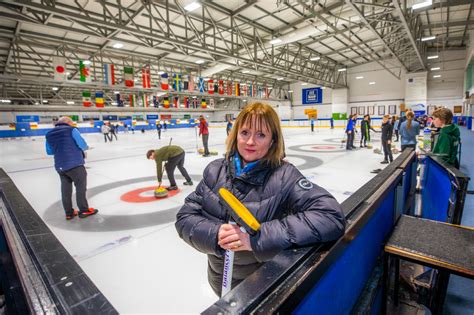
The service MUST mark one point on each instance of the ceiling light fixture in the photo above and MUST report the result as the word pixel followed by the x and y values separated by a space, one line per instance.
pixel 314 58
pixel 54 88
pixel 245 71
pixel 433 57
pixel 290 91
pixel 222 99
pixel 423 4
pixel 160 72
pixel 192 6
pixel 118 45
pixel 424 39
pixel 435 68
pixel 342 69
pixel 45 101
pixel 437 76
pixel 200 61
pixel 280 78
pixel 275 41
pixel 359 77
pixel 304 83
pixel 116 92
pixel 371 83
pixel 70 102
pixel 86 62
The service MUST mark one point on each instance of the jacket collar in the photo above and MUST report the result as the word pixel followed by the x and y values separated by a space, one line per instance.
pixel 256 176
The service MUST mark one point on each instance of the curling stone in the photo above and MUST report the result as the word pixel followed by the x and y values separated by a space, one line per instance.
pixel 213 152
pixel 201 150
pixel 343 140
pixel 395 151
pixel 161 192
pixel 370 146
pixel 377 151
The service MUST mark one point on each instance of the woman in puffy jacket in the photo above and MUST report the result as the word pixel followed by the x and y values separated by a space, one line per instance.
pixel 291 209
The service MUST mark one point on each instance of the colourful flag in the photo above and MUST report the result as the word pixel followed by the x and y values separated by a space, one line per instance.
pixel 221 87
pixel 109 74
pixel 216 87
pixel 86 98
pixel 250 90
pixel 164 81
pixel 176 101
pixel 210 86
pixel 203 103
pixel 243 89
pixel 211 102
pixel 156 102
pixel 166 102
pixel 84 70
pixel 237 89
pixel 185 82
pixel 129 76
pixel 99 99
pixel 229 87
pixel 145 100
pixel 191 83
pixel 186 102
pixel 119 100
pixel 132 100
pixel 146 78
pixel 267 92
pixel 59 67
pixel 201 85
pixel 177 82
pixel 195 102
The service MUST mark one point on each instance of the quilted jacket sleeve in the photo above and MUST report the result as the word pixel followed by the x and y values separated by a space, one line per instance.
pixel 314 216
pixel 194 224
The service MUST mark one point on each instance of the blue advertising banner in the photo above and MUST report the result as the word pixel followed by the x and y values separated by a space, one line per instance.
pixel 27 118
pixel 312 96
pixel 150 117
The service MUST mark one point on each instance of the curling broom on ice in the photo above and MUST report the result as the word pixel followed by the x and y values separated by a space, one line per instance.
pixel 245 219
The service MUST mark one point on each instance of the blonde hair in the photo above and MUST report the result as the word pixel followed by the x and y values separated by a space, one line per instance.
pixel 410 115
pixel 261 115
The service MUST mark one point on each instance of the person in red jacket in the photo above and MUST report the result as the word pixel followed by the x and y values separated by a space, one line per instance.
pixel 204 132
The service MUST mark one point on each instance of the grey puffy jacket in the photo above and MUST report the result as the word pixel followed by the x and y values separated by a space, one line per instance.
pixel 290 209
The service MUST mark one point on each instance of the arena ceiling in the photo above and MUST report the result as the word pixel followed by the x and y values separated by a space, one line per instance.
pixel 273 43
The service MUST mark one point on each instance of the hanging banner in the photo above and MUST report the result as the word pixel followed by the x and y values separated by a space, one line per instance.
pixel 312 96
pixel 84 70
pixel 129 76
pixel 59 67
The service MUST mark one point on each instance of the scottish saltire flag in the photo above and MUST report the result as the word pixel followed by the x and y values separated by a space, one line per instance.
pixel 146 77
pixel 177 82
pixel 109 74
pixel 164 81
pixel 86 98
pixel 129 76
pixel 191 84
pixel 229 87
pixel 210 86
pixel 201 85
pixel 59 68
pixel 99 99
pixel 84 70
pixel 166 102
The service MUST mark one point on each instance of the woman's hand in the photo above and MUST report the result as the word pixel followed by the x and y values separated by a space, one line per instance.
pixel 231 237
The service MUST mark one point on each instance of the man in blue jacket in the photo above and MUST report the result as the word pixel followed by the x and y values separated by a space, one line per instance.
pixel 67 146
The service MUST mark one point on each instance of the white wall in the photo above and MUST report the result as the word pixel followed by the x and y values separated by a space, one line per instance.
pixel 448 90
pixel 387 90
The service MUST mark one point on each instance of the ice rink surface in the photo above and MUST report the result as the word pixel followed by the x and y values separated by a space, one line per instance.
pixel 131 250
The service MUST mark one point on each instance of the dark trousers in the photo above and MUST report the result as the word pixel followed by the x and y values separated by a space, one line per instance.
pixel 406 146
pixel 159 133
pixel 78 176
pixel 312 127
pixel 107 137
pixel 363 138
pixel 171 165
pixel 205 140
pixel 387 151
pixel 397 135
pixel 113 134
pixel 350 140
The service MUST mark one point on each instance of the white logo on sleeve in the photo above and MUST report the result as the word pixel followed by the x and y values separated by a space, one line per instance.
pixel 305 184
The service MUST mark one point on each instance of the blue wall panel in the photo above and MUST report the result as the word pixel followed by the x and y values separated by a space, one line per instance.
pixel 436 189
pixel 339 288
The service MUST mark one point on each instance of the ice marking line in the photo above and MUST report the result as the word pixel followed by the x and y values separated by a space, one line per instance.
pixel 106 247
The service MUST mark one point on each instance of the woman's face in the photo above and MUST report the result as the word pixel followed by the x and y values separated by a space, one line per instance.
pixel 252 143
